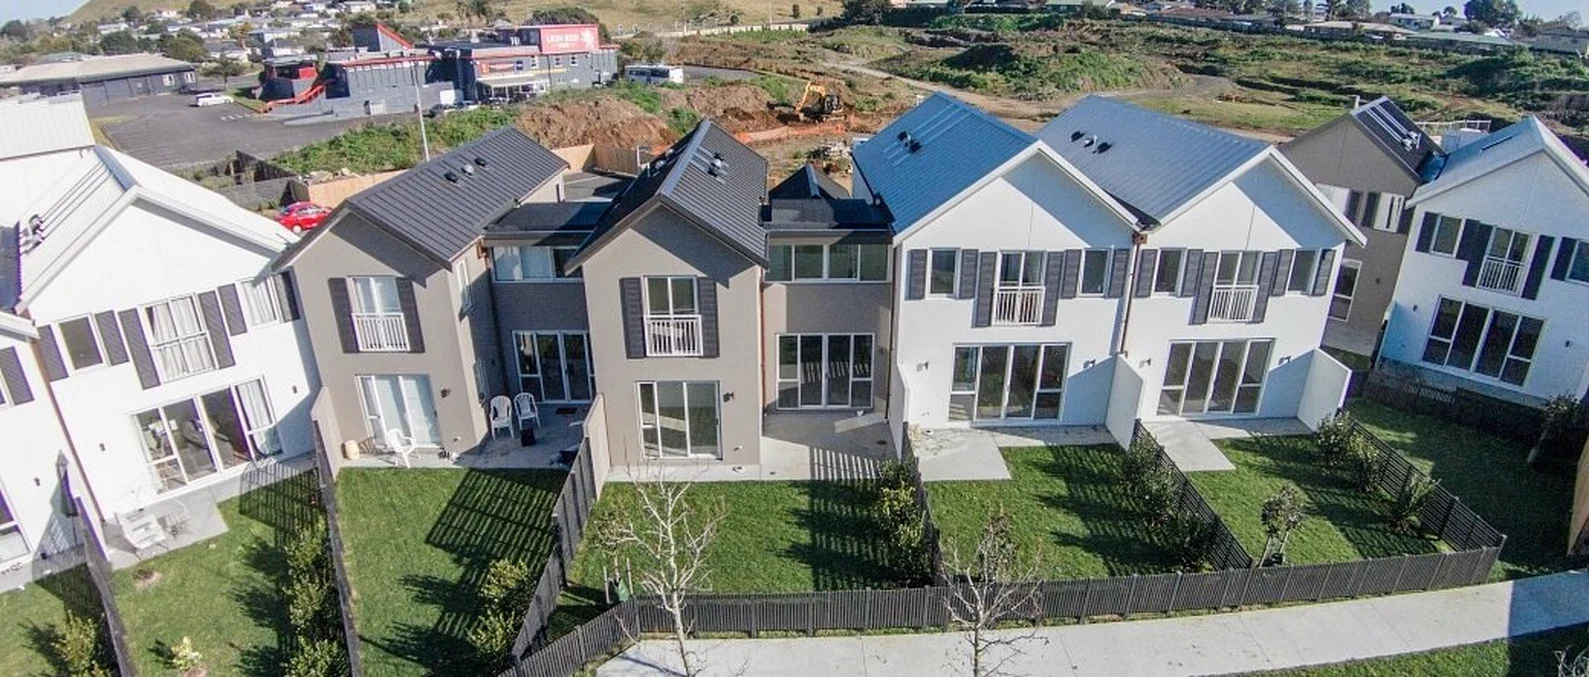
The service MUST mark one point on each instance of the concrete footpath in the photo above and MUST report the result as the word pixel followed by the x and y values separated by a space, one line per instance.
pixel 1200 645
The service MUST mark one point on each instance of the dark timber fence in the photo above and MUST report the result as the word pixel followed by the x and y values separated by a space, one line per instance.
pixel 1234 583
pixel 929 531
pixel 1226 551
pixel 568 529
pixel 328 498
pixel 1510 420
pixel 99 571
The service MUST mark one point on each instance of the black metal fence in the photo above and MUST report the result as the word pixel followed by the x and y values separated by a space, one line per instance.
pixel 99 570
pixel 569 519
pixel 929 531
pixel 328 499
pixel 1442 513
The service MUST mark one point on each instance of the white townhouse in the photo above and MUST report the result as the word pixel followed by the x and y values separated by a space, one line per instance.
pixel 166 351
pixel 1493 293
pixel 1121 264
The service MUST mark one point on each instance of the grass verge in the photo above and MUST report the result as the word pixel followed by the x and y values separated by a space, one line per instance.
pixel 1527 655
pixel 34 617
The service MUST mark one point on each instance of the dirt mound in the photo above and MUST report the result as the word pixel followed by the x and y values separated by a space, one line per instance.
pixel 737 107
pixel 603 121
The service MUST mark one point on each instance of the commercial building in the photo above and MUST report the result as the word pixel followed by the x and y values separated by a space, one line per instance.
pixel 520 62
pixel 101 79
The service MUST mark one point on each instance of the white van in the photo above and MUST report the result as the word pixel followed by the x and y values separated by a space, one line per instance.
pixel 653 73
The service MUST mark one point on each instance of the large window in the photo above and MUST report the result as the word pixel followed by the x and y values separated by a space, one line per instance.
pixel 555 366
pixel 1214 377
pixel 1235 291
pixel 1003 382
pixel 679 418
pixel 804 262
pixel 1345 290
pixel 673 318
pixel 1578 265
pixel 378 321
pixel 178 339
pixel 1473 338
pixel 261 300
pixel 824 371
pixel 1018 297
pixel 12 544
pixel 518 264
pixel 82 343
pixel 192 438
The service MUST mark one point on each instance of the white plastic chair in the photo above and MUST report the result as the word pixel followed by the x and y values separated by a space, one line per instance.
pixel 528 410
pixel 501 415
pixel 400 444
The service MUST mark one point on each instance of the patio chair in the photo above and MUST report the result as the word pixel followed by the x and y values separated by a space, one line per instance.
pixel 528 410
pixel 400 444
pixel 501 415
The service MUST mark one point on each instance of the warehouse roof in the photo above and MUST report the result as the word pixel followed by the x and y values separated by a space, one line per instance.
pixel 79 68
pixel 52 124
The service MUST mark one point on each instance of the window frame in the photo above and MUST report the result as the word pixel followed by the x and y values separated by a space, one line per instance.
pixel 553 259
pixel 673 307
pixel 1443 222
pixel 252 434
pixel 656 415
pixel 1105 258
pixel 1580 250
pixel 460 274
pixel 1177 274
pixel 977 351
pixel 1490 324
pixel 784 256
pixel 201 337
pixel 94 337
pixel 1350 297
pixel 266 289
pixel 870 360
pixel 1309 273
pixel 953 256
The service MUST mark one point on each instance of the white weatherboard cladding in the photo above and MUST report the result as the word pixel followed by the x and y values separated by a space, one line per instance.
pixel 148 255
pixel 1533 194
pixel 1034 206
pixel 33 443
pixel 1245 214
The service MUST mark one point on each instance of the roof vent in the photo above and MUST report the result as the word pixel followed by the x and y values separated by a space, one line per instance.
pixel 716 166
pixel 914 145
pixel 1104 147
pixel 1077 135
pixel 481 161
pixel 1089 141
pixel 451 177
pixel 467 169
pixel 904 136
pixel 32 235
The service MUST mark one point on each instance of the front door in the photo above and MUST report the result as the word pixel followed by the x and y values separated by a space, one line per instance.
pixel 403 403
pixel 1214 377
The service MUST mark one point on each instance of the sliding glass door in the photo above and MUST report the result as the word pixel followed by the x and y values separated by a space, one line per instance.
pixel 403 403
pixel 556 366
pixel 1002 382
pixel 679 419
pixel 1214 377
pixel 824 371
pixel 196 437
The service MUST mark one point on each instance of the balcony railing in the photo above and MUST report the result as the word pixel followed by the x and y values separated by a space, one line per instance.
pixel 1232 303
pixel 673 335
pixel 381 332
pixel 1017 305
pixel 1501 275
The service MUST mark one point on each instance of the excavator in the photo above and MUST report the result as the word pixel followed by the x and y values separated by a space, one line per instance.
pixel 816 104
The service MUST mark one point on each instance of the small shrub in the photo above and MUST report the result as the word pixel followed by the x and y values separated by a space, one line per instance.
pixel 508 582
pixel 317 658
pixel 183 658
pixel 1140 460
pixel 1282 513
pixel 902 521
pixel 505 595
pixel 1334 439
pixel 1160 490
pixel 1404 510
pixel 307 599
pixel 1192 542
pixel 1366 465
pixel 492 637
pixel 307 551
pixel 79 647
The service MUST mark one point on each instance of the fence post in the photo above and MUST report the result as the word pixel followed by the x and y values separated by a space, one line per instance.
pixel 1400 571
pixel 1325 585
pixel 1086 600
pixel 1131 597
pixel 1175 593
pixel 1450 508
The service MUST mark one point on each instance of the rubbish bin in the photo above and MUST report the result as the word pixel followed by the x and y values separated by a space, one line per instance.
pixel 527 436
pixel 350 450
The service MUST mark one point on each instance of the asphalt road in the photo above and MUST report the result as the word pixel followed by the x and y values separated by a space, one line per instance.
pixel 166 131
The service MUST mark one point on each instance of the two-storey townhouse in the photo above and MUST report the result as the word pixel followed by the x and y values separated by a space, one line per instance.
pixel 1368 162
pixel 35 512
pixel 171 356
pixel 1492 293
pixel 396 286
pixel 1232 268
pixel 1013 265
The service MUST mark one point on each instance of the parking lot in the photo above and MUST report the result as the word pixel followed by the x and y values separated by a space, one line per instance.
pixel 166 131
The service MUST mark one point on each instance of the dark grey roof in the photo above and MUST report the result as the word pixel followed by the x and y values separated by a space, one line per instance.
pixel 440 215
pixel 1397 134
pixel 710 178
pixel 823 214
pixel 550 217
pixel 808 182
pixel 1152 162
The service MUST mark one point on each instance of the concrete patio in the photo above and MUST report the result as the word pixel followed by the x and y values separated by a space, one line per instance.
pixel 558 432
pixel 951 454
pixel 794 446
pixel 1190 444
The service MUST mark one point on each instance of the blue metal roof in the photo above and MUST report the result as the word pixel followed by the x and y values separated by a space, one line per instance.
pixel 1152 162
pixel 932 153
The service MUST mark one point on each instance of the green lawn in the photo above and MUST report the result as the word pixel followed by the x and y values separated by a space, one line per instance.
pixel 224 593
pixel 775 537
pixel 1528 656
pixel 1067 507
pixel 30 620
pixel 1489 475
pixel 418 544
pixel 1343 523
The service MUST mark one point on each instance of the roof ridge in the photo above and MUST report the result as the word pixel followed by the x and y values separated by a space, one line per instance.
pixel 681 158
pixel 1175 120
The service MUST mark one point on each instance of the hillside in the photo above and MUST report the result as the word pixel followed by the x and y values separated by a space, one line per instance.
pixel 624 14
pixel 95 10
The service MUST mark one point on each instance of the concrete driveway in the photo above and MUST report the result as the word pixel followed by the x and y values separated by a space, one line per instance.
pixel 166 131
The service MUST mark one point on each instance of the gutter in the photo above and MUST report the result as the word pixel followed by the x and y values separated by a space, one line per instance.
pixel 1138 239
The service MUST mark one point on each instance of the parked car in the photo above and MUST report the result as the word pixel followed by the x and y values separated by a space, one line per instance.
pixel 211 99
pixel 301 216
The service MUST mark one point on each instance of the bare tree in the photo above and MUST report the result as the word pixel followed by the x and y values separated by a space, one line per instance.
pixel 664 544
pixel 1569 664
pixel 994 586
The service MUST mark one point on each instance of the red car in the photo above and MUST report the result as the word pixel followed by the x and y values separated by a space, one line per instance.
pixel 301 216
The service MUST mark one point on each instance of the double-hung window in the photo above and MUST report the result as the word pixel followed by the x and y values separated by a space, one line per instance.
pixel 1235 291
pixel 1345 290
pixel 1018 296
pixel 519 264
pixel 673 317
pixel 82 342
pixel 178 338
pixel 1167 275
pixel 1304 269
pixel 944 272
pixel 1473 338
pixel 378 321
pixel 12 544
pixel 261 300
pixel 805 262
pixel 1448 232
pixel 1504 261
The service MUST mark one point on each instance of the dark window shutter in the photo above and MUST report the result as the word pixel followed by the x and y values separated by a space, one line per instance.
pixel 634 317
pixel 967 287
pixel 1147 267
pixel 1117 274
pixel 1370 210
pixel 1052 267
pixel 1325 273
pixel 1191 271
pixel 987 268
pixel 215 325
pixel 1475 237
pixel 16 381
pixel 1070 277
pixel 138 348
pixel 1283 273
pixel 1536 267
pixel 1267 265
pixel 1563 259
pixel 1205 287
pixel 1404 222
pixel 1426 231
pixel 1354 205
pixel 706 298
pixel 232 307
pixel 287 289
pixel 342 309
pixel 916 268
pixel 405 301
pixel 50 352
pixel 110 333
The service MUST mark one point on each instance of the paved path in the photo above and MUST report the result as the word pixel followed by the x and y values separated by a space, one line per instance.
pixel 1197 645
pixel 1191 443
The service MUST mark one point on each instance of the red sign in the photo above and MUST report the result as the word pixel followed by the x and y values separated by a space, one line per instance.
pixel 569 39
